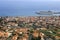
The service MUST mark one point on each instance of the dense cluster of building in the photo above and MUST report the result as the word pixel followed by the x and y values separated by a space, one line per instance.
pixel 30 28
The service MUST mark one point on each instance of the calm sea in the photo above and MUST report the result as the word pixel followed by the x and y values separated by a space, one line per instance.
pixel 26 8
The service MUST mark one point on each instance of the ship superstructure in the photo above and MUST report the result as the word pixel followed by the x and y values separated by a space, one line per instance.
pixel 48 13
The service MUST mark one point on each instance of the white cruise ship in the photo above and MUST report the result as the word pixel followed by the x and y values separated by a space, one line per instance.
pixel 48 13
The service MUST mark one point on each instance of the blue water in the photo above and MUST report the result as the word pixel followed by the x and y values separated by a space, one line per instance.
pixel 26 8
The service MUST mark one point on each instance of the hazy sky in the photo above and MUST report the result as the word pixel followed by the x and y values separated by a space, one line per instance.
pixel 22 7
pixel 30 3
pixel 29 0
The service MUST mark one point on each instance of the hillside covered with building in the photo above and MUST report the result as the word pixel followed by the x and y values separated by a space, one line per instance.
pixel 30 28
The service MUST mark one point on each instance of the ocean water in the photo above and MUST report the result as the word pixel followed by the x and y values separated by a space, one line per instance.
pixel 26 8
